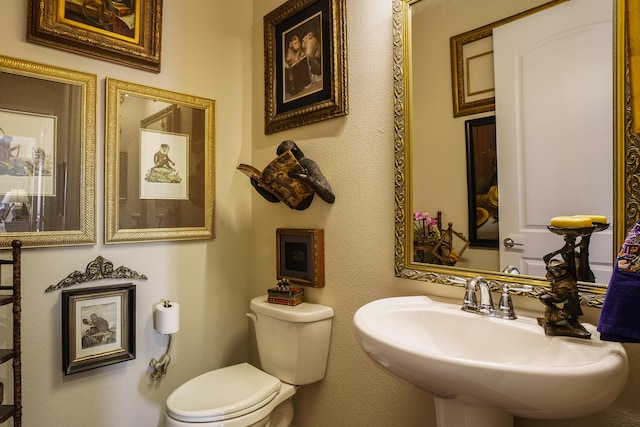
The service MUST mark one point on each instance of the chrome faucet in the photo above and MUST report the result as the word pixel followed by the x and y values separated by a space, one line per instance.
pixel 470 302
pixel 505 307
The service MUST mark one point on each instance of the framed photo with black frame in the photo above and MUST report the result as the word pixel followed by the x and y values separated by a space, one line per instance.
pixel 305 63
pixel 300 256
pixel 482 182
pixel 98 327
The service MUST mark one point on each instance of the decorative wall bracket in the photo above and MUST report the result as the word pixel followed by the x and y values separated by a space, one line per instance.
pixel 100 268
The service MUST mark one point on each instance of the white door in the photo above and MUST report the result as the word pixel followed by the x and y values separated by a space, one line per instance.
pixel 554 103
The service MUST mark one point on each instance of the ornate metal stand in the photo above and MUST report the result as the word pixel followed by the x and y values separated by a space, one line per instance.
pixel 563 301
pixel 583 270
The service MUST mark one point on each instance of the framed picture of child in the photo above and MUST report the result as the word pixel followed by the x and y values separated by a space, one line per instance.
pixel 305 63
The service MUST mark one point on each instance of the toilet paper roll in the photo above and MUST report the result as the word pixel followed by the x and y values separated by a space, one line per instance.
pixel 168 317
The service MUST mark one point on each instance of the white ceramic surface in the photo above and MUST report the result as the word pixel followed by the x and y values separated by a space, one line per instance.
pixel 510 365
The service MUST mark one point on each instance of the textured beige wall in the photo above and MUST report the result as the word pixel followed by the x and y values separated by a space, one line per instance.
pixel 356 154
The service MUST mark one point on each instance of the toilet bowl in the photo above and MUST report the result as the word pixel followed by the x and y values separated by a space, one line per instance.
pixel 293 347
pixel 236 396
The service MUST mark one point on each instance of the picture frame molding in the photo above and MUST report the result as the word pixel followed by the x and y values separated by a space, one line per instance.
pixel 46 27
pixel 114 197
pixel 79 159
pixel 462 107
pixel 313 239
pixel 124 347
pixel 334 105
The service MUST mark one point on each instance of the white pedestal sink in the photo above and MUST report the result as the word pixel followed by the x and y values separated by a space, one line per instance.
pixel 484 370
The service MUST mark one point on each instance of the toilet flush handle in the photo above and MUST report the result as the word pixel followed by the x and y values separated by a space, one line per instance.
pixel 252 317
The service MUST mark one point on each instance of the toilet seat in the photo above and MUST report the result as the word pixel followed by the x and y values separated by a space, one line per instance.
pixel 222 394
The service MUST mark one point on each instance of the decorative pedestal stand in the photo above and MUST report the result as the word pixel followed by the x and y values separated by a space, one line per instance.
pixel 563 301
pixel 458 413
pixel 583 270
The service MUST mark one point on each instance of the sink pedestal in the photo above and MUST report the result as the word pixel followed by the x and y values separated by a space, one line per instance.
pixel 454 413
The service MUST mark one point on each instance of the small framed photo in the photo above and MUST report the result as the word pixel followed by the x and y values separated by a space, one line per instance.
pixel 305 63
pixel 98 327
pixel 300 256
pixel 482 182
pixel 126 32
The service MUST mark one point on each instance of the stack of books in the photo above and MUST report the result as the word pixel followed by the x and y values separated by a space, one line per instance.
pixel 285 296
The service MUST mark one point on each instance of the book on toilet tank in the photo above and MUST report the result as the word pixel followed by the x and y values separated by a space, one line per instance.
pixel 290 296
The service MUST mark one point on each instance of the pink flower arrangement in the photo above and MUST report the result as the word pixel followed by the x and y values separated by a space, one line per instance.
pixel 425 228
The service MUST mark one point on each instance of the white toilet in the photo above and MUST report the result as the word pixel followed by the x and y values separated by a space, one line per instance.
pixel 293 345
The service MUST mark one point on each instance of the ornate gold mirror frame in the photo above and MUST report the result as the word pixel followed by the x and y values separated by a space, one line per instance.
pixel 626 166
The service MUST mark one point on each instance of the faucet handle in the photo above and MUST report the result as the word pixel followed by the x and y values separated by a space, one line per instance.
pixel 470 302
pixel 505 308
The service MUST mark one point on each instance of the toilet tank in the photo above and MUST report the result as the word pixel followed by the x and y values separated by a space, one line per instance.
pixel 293 342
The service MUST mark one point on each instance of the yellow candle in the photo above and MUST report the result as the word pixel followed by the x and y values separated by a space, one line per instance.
pixel 571 221
pixel 598 219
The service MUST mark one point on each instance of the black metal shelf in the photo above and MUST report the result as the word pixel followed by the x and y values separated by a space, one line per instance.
pixel 12 295
pixel 7 411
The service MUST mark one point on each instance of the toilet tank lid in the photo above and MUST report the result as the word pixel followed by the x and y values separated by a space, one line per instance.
pixel 304 312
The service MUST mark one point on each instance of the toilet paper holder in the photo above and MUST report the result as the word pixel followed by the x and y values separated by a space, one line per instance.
pixel 167 323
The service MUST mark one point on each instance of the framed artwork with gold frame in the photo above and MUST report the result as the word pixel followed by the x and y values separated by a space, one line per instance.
pixel 163 188
pixel 47 154
pixel 125 32
pixel 305 63
pixel 472 65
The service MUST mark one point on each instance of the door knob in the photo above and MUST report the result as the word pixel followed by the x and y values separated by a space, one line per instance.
pixel 509 243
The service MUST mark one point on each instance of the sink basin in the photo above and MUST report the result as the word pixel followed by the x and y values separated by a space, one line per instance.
pixel 469 360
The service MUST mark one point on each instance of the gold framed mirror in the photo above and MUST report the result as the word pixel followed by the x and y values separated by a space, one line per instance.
pixel 47 154
pixel 160 162
pixel 624 168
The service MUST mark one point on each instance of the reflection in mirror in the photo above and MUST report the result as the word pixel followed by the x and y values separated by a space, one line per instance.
pixel 413 155
pixel 159 165
pixel 47 154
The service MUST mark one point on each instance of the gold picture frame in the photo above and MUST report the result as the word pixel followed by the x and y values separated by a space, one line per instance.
pixel 309 83
pixel 472 65
pixel 167 190
pixel 47 154
pixel 125 34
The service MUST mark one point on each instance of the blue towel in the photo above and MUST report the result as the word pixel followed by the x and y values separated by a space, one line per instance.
pixel 620 315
